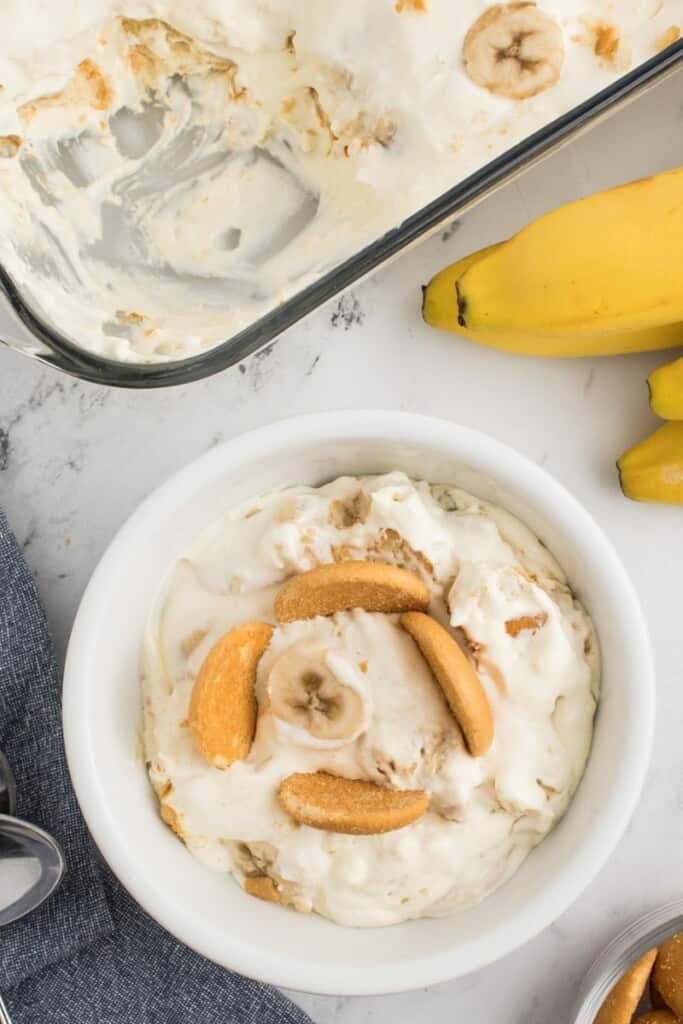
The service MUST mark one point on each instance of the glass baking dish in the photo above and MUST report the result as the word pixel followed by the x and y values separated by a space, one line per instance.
pixel 31 334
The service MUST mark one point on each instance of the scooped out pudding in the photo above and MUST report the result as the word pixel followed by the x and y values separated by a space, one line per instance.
pixel 370 700
pixel 170 172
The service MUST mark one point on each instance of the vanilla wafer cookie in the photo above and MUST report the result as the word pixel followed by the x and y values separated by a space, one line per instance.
pixel 222 717
pixel 335 804
pixel 461 685
pixel 341 586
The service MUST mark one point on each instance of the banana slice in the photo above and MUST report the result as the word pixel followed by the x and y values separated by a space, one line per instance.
pixel 222 716
pixel 359 808
pixel 341 586
pixel 306 693
pixel 514 50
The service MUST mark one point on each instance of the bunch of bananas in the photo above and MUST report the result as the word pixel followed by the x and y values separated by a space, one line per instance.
pixel 600 276
pixel 653 469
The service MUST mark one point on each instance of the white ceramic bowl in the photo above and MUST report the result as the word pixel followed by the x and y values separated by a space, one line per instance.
pixel 102 716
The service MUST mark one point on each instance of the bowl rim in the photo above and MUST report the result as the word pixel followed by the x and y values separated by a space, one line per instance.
pixel 415 971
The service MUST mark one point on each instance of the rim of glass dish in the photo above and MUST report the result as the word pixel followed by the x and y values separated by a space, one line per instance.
pixel 72 359
pixel 629 945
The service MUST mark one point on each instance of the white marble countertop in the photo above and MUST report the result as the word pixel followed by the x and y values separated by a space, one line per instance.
pixel 75 460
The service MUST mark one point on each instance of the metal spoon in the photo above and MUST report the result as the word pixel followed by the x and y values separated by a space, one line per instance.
pixel 35 859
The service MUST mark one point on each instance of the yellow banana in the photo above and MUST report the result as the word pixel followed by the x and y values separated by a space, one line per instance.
pixel 609 262
pixel 653 469
pixel 440 309
pixel 666 390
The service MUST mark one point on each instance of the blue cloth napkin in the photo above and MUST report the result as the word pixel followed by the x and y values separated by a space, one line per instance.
pixel 89 955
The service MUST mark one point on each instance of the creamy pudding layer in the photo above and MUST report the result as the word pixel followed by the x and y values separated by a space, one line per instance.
pixel 351 695
pixel 171 171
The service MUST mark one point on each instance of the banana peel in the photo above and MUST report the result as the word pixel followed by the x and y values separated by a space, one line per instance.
pixel 607 262
pixel 440 310
pixel 599 276
pixel 666 390
pixel 653 469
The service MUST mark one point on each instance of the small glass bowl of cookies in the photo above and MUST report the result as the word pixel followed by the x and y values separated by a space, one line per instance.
pixel 638 979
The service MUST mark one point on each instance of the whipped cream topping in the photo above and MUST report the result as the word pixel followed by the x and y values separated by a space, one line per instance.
pixel 170 171
pixel 378 713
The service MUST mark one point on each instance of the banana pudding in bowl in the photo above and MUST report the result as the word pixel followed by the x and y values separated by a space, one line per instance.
pixel 171 573
pixel 369 699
